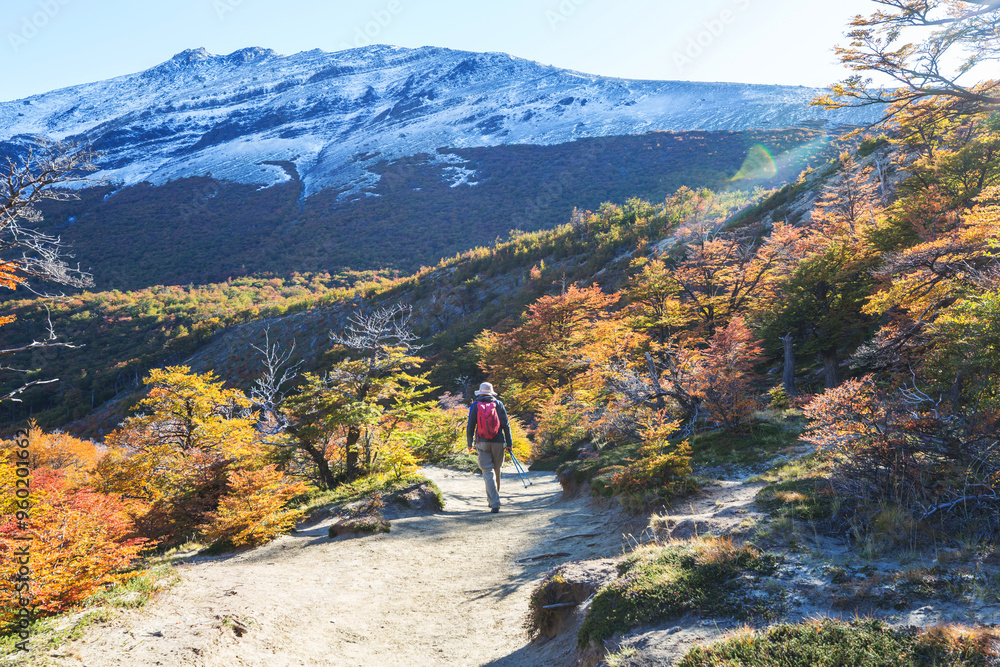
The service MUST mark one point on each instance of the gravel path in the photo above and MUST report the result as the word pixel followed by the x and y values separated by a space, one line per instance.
pixel 440 589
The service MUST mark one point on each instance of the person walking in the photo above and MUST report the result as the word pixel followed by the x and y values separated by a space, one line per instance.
pixel 488 429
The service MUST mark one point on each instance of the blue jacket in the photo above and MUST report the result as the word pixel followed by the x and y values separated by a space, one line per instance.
pixel 470 428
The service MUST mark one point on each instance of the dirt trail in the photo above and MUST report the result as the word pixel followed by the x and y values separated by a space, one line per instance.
pixel 720 508
pixel 440 589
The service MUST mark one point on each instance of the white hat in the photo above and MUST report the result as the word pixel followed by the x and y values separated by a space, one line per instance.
pixel 486 389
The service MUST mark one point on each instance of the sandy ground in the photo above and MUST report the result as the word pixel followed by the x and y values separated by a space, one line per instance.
pixel 440 589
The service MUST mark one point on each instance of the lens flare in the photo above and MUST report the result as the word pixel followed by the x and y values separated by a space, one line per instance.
pixel 758 165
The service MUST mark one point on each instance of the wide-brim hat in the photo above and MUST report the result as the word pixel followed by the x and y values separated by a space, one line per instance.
pixel 485 389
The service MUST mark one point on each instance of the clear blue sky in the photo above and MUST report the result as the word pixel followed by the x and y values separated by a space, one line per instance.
pixel 48 44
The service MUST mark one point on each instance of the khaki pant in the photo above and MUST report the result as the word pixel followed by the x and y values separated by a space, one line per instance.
pixel 491 460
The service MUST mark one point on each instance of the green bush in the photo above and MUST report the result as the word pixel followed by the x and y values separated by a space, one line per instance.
pixel 871 144
pixel 779 399
pixel 442 434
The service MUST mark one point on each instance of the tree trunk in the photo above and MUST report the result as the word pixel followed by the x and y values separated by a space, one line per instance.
pixel 955 395
pixel 830 369
pixel 788 375
pixel 353 435
pixel 655 378
pixel 322 465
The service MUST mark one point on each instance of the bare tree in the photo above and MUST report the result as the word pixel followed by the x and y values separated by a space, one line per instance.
pixel 43 173
pixel 270 389
pixel 348 398
pixel 29 257
pixel 385 345
pixel 954 37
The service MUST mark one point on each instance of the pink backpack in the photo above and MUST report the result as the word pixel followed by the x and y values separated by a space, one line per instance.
pixel 487 421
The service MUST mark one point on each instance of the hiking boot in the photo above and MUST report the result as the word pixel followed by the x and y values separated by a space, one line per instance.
pixel 494 510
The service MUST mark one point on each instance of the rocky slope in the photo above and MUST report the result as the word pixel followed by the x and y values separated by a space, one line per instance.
pixel 257 117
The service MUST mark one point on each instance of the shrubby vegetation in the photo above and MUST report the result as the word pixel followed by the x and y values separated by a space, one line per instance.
pixel 712 577
pixel 864 643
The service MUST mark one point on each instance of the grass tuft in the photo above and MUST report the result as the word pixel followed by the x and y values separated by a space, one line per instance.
pixel 862 643
pixel 714 577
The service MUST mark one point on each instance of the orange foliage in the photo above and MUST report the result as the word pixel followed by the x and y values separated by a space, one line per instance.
pixel 79 541
pixel 74 458
pixel 931 275
pixel 903 447
pixel 560 345
pixel 721 274
pixel 722 375
pixel 175 458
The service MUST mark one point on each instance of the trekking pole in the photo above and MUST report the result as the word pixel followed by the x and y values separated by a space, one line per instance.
pixel 520 469
pixel 517 467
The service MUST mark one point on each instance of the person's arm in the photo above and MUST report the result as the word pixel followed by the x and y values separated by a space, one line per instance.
pixel 470 427
pixel 505 425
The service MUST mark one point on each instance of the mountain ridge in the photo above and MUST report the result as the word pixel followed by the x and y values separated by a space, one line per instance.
pixel 334 115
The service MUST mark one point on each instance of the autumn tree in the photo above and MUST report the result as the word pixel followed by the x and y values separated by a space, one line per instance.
pixel 71 457
pixel 721 273
pixel 175 454
pixel 723 376
pixel 654 305
pixel 254 509
pixel 363 398
pixel 817 290
pixel 949 157
pixel 559 343
pixel 950 38
pixel 902 447
pixel 81 541
pixel 933 282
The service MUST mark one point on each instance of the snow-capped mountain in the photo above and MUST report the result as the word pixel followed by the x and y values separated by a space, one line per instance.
pixel 243 117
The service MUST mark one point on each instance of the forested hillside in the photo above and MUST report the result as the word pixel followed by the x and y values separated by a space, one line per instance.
pixel 201 230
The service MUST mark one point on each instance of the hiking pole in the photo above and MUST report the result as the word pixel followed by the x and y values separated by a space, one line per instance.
pixel 519 468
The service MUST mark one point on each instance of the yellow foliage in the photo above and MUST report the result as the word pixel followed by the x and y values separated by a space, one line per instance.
pixel 660 465
pixel 76 459
pixel 188 423
pixel 185 411
pixel 561 423
pixel 10 279
pixel 522 445
pixel 253 511
pixel 396 457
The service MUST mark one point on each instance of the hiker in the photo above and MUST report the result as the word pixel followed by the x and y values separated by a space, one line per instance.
pixel 489 430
